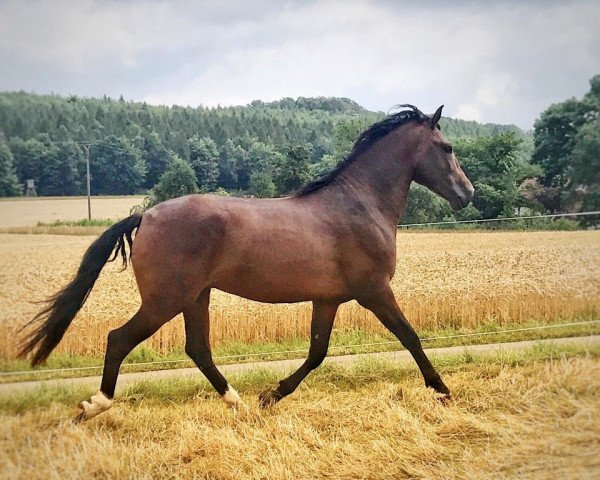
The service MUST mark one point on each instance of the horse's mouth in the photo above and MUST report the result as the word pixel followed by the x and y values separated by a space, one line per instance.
pixel 458 204
pixel 461 201
pixel 463 198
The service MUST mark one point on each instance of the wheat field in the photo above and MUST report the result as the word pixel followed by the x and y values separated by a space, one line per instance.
pixel 457 279
pixel 27 212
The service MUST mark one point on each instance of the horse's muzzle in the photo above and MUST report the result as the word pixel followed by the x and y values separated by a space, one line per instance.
pixel 463 197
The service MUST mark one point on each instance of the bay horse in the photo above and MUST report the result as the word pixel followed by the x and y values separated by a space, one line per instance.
pixel 329 243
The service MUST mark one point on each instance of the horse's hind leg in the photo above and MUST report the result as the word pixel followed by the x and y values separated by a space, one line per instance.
pixel 320 331
pixel 197 346
pixel 121 341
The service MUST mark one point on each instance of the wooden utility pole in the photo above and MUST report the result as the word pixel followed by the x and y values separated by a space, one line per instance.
pixel 86 147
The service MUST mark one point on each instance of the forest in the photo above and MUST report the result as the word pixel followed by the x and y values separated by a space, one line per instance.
pixel 271 149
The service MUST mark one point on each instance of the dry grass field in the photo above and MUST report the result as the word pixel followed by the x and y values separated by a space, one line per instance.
pixel 27 212
pixel 528 416
pixel 457 279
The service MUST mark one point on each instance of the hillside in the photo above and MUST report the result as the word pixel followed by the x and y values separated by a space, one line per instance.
pixel 311 120
pixel 134 143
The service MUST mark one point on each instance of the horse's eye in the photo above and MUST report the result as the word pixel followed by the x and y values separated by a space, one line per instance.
pixel 448 148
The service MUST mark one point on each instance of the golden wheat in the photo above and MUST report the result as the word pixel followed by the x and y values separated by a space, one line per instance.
pixel 27 212
pixel 442 280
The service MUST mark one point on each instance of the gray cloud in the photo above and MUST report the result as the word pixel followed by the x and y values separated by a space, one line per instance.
pixel 503 62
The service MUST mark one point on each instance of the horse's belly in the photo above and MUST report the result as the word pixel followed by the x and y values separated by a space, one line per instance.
pixel 278 286
pixel 284 263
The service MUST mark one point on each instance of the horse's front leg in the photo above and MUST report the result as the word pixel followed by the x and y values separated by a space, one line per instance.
pixel 320 330
pixel 384 306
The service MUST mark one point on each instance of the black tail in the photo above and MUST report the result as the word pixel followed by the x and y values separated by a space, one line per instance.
pixel 64 305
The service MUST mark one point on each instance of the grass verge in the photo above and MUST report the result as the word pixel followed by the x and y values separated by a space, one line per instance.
pixel 84 222
pixel 342 343
pixel 58 230
pixel 330 377
pixel 94 227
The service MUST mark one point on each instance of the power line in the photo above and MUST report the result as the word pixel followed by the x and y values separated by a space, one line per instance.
pixel 501 219
pixel 284 352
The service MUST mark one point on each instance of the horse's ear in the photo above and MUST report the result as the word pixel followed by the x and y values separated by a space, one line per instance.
pixel 436 117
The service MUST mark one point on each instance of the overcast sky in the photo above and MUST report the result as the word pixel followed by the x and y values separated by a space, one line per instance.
pixel 500 62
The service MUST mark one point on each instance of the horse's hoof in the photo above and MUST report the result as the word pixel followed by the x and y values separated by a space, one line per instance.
pixel 98 403
pixel 444 398
pixel 232 399
pixel 269 398
pixel 80 417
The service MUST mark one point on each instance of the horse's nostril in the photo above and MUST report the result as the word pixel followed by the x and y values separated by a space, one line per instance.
pixel 466 196
pixel 471 193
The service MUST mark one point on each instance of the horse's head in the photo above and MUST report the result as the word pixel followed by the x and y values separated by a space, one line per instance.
pixel 436 167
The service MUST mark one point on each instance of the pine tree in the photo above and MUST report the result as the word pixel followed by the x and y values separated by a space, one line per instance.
pixel 294 170
pixel 117 167
pixel 204 157
pixel 232 156
pixel 9 183
pixel 156 157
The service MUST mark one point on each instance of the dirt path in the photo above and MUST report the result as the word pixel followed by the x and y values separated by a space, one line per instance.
pixel 402 357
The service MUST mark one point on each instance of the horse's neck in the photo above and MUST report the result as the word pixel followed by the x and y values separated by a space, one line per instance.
pixel 379 178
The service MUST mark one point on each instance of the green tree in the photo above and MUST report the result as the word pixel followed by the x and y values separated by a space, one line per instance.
pixel 261 162
pixel 554 132
pixel 555 138
pixel 261 185
pixel 293 171
pixel 585 166
pixel 28 158
pixel 262 157
pixel 178 179
pixel 425 206
pixel 204 157
pixel 497 170
pixel 53 165
pixel 232 156
pixel 346 133
pixel 9 183
pixel 117 167
pixel 156 157
pixel 60 172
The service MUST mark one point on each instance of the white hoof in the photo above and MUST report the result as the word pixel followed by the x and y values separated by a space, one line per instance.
pixel 98 403
pixel 232 399
pixel 443 398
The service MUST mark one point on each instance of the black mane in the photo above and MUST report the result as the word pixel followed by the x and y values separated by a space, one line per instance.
pixel 366 140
